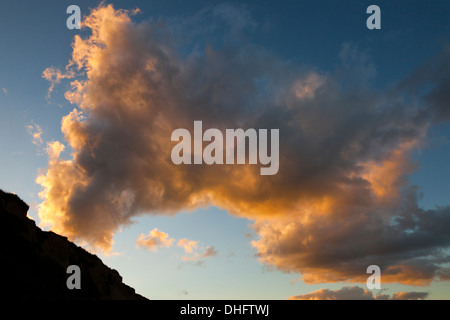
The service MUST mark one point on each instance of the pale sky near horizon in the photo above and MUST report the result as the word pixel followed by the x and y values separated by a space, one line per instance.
pixel 325 44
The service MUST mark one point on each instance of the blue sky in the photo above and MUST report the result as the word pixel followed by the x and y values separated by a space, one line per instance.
pixel 307 34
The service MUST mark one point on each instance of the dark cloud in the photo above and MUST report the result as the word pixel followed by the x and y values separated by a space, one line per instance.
pixel 431 82
pixel 408 250
pixel 410 296
pixel 357 293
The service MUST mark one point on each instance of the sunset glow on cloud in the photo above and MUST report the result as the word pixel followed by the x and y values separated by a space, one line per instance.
pixel 342 198
pixel 154 239
pixel 357 293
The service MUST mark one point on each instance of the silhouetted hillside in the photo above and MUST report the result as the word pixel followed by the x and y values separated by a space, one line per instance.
pixel 34 263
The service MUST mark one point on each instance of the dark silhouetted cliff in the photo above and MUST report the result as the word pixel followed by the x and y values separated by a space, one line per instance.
pixel 33 263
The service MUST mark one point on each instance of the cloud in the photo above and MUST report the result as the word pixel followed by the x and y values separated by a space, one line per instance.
pixel 187 245
pixel 5 91
pixel 357 293
pixel 154 239
pixel 331 249
pixel 306 88
pixel 341 200
pixel 184 292
pixel 210 251
pixel 410 296
pixel 36 133
pixel 54 76
pixel 434 72
pixel 54 149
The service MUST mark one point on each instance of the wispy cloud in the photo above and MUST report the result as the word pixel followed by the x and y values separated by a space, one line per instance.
pixel 54 76
pixel 36 133
pixel 188 245
pixel 208 252
pixel 357 293
pixel 154 239
pixel 194 253
pixel 5 91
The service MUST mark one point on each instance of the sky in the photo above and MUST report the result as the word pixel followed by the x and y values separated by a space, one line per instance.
pixel 86 118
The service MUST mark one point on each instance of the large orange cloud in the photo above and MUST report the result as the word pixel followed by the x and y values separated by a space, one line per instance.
pixel 341 200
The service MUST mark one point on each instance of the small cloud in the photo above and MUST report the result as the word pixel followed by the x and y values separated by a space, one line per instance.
pixel 410 295
pixel 113 254
pixel 5 91
pixel 188 245
pixel 210 251
pixel 184 292
pixel 294 280
pixel 193 256
pixel 248 235
pixel 306 88
pixel 36 133
pixel 357 293
pixel 54 76
pixel 154 239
